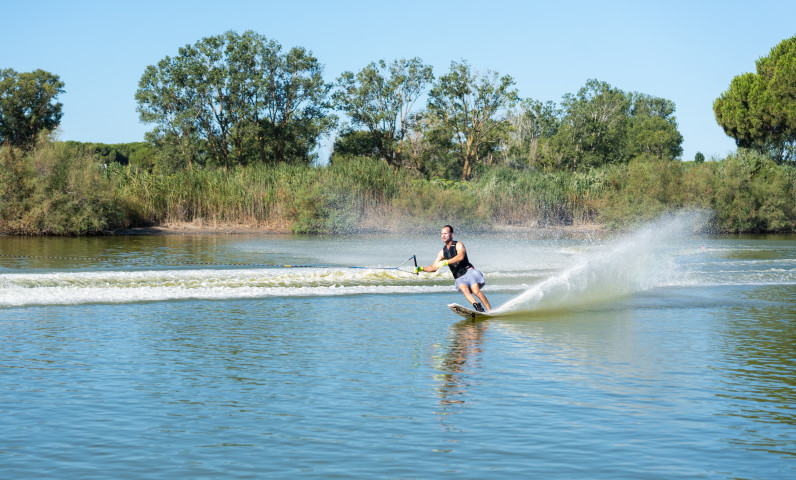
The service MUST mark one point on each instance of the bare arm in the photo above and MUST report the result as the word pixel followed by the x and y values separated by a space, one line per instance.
pixel 441 262
pixel 435 266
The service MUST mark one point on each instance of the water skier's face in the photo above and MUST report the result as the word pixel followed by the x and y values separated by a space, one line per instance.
pixel 446 234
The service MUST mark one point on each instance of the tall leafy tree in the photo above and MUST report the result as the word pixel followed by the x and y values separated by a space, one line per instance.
pixel 165 99
pixel 379 99
pixel 602 124
pixel 188 98
pixel 28 105
pixel 759 109
pixel 293 113
pixel 238 97
pixel 532 126
pixel 468 105
pixel 652 128
pixel 594 126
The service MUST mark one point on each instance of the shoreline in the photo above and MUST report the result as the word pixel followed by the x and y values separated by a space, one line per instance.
pixel 201 228
pixel 283 229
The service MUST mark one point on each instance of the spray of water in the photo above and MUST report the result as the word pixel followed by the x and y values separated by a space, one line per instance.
pixel 634 263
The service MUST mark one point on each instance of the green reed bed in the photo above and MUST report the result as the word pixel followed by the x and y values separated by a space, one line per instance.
pixel 533 197
pixel 53 190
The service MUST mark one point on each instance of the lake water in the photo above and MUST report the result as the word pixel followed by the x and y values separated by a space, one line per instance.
pixel 659 354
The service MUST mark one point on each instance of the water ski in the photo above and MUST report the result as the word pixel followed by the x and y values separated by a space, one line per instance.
pixel 467 312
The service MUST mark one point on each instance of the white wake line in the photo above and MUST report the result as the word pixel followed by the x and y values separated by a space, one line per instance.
pixel 14 275
pixel 43 296
pixel 105 295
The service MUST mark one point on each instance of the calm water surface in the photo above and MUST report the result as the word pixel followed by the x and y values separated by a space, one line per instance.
pixel 657 355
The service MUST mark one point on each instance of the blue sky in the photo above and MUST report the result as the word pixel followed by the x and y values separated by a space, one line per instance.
pixel 685 51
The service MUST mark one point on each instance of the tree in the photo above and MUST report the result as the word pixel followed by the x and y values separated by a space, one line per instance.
pixel 467 105
pixel 759 109
pixel 652 128
pixel 602 124
pixel 237 97
pixel 357 143
pixel 293 113
pixel 28 105
pixel 594 126
pixel 164 99
pixel 380 99
pixel 699 158
pixel 532 126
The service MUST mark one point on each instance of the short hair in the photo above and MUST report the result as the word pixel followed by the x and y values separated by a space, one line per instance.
pixel 448 226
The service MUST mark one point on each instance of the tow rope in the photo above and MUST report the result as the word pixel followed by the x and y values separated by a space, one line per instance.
pixel 232 264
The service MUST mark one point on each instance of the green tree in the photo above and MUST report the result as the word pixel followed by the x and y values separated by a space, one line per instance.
pixel 237 97
pixel 380 98
pixel 28 105
pixel 532 126
pixel 699 158
pixel 207 76
pixel 602 124
pixel 165 99
pixel 467 105
pixel 759 109
pixel 357 143
pixel 652 128
pixel 293 114
pixel 593 130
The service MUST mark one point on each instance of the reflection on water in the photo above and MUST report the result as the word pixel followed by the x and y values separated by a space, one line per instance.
pixel 758 366
pixel 458 363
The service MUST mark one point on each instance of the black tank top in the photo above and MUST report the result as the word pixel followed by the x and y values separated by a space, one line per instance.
pixel 459 268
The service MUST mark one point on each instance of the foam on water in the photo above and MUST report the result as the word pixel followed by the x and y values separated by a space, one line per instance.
pixel 634 263
pixel 158 285
pixel 68 288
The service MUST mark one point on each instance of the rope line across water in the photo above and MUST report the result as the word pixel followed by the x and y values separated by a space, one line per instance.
pixel 205 263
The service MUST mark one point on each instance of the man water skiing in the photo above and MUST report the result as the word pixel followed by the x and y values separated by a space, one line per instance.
pixel 469 280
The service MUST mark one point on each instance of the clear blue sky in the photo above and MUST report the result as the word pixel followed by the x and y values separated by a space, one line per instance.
pixel 685 51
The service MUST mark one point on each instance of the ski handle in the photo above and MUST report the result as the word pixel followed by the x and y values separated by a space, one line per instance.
pixel 413 257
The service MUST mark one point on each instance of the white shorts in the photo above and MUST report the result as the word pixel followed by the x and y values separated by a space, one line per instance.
pixel 472 277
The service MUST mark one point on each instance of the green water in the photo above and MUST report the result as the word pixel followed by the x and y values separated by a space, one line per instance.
pixel 659 354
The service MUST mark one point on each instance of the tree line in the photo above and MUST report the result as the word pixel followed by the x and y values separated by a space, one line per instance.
pixel 237 99
pixel 237 118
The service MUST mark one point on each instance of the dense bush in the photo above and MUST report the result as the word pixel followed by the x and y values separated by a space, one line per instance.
pixel 754 194
pixel 50 191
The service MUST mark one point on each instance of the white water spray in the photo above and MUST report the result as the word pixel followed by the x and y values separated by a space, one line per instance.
pixel 635 263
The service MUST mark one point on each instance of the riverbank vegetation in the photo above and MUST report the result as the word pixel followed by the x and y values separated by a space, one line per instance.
pixel 238 121
pixel 51 190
